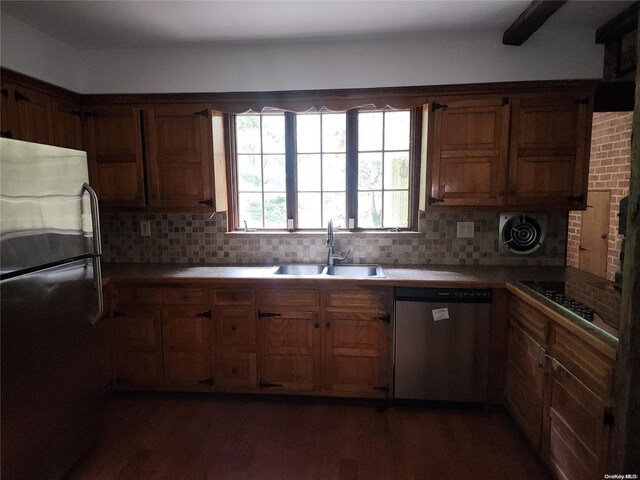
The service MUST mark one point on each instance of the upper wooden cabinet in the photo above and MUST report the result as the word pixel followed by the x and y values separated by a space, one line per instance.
pixel 27 114
pixel 549 151
pixel 171 144
pixel 115 153
pixel 180 155
pixel 67 125
pixel 470 149
pixel 526 151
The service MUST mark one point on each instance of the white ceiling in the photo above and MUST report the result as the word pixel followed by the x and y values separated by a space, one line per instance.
pixel 134 24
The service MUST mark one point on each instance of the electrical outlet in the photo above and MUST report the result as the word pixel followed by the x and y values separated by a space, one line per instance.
pixel 145 228
pixel 465 229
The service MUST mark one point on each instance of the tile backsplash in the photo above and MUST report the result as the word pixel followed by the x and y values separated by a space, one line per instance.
pixel 194 238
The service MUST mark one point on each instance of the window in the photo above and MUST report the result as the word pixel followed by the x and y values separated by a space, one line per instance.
pixel 313 167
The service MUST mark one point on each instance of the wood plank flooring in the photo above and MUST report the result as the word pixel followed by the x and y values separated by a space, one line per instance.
pixel 222 438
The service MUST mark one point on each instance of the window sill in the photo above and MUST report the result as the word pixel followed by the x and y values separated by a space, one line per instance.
pixel 323 233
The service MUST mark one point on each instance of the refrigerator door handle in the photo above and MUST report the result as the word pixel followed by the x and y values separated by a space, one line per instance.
pixel 95 218
pixel 97 248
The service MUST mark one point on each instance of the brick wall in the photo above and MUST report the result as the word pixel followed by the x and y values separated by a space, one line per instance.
pixel 609 169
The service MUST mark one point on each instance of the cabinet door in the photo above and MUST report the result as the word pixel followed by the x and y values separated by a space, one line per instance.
pixel 180 156
pixel 236 326
pixel 356 353
pixel 35 115
pixel 115 153
pixel 549 151
pixel 138 346
pixel 291 350
pixel 236 370
pixel 525 382
pixel 9 123
pixel 67 125
pixel 469 151
pixel 187 346
pixel 576 437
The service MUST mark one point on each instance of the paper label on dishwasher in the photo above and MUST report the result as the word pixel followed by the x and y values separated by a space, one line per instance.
pixel 440 314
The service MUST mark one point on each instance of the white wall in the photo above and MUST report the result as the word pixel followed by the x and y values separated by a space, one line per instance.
pixel 29 51
pixel 412 59
pixel 417 59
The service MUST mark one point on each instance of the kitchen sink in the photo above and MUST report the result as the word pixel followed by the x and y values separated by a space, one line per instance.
pixel 355 271
pixel 306 269
pixel 299 269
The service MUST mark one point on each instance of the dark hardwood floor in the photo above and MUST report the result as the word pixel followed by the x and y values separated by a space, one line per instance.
pixel 223 438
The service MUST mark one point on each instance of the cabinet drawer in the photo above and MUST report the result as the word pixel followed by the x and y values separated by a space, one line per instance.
pixel 236 370
pixel 358 299
pixel 234 296
pixel 142 295
pixel 290 297
pixel 189 296
pixel 535 322
pixel 583 361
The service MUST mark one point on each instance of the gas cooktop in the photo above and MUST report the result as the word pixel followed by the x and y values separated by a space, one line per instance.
pixel 596 302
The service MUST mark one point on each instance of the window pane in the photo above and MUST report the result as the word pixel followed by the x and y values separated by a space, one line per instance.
pixel 334 172
pixel 273 134
pixel 274 173
pixel 397 128
pixel 275 210
pixel 334 132
pixel 250 209
pixel 249 173
pixel 370 171
pixel 309 210
pixel 369 131
pixel 308 173
pixel 370 209
pixel 334 206
pixel 396 170
pixel 396 209
pixel 308 133
pixel 248 133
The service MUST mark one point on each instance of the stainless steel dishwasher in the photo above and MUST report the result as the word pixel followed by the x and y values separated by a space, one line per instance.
pixel 442 343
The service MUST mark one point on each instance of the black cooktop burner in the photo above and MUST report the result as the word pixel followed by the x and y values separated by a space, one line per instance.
pixel 596 302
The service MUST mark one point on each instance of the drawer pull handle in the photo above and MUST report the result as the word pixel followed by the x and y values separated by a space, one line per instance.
pixel 206 314
pixel 207 381
pixel 118 314
pixel 262 314
pixel 268 385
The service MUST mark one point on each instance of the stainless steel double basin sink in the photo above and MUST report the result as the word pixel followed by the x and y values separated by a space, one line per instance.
pixel 307 270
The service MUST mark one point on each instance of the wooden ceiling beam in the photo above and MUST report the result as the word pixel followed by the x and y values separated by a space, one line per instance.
pixel 619 26
pixel 530 21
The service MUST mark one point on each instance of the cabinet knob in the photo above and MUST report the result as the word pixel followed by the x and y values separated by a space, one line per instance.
pixel 234 370
pixel 328 325
pixel 233 328
pixel 316 325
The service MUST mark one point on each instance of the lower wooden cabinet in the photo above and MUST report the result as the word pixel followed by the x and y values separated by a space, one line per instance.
pixel 138 359
pixel 290 350
pixel 186 343
pixel 236 370
pixel 356 349
pixel 576 436
pixel 559 390
pixel 525 381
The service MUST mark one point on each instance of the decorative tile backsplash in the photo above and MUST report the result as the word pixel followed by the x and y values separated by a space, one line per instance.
pixel 194 238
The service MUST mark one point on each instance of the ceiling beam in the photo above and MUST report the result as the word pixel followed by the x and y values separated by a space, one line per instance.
pixel 619 26
pixel 530 21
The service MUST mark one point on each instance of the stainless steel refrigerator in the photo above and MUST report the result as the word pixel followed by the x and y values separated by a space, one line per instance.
pixel 50 302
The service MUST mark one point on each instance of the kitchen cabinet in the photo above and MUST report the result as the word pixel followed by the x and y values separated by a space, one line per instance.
pixel 186 346
pixel 338 346
pixel 67 125
pixel 579 418
pixel 550 147
pixel 156 156
pixel 235 339
pixel 180 156
pixel 29 114
pixel 470 148
pixel 115 155
pixel 524 385
pixel 523 151
pixel 138 358
pixel 559 388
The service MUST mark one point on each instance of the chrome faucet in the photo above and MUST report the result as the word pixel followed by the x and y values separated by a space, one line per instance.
pixel 331 255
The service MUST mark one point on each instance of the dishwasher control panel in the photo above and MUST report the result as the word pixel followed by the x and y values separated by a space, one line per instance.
pixel 436 294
